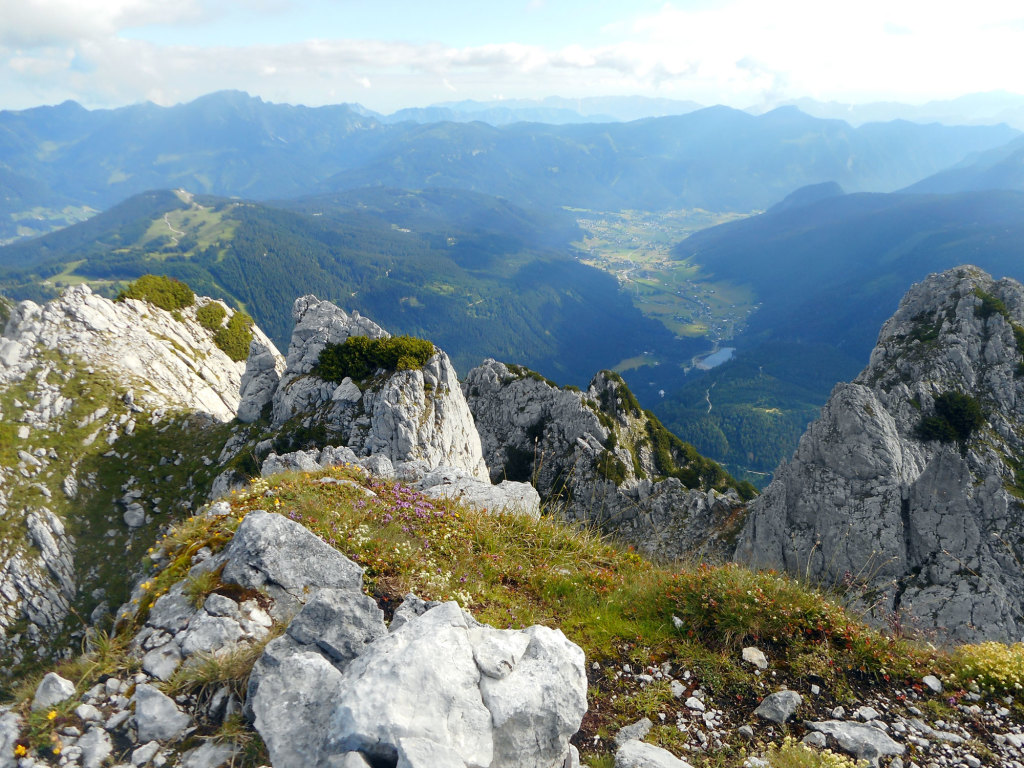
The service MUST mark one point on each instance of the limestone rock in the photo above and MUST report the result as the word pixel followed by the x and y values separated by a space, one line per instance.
pixel 634 732
pixel 505 497
pixel 441 686
pixel 272 552
pixel 778 707
pixel 935 527
pixel 10 731
pixel 864 742
pixel 339 622
pixel 590 456
pixel 638 754
pixel 169 362
pixel 210 755
pixel 52 690
pixel 756 657
pixel 157 717
pixel 96 747
pixel 402 416
pixel 263 369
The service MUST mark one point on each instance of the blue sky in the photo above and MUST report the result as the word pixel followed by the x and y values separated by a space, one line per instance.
pixel 387 55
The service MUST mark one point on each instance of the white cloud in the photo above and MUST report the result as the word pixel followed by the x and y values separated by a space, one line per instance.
pixel 738 52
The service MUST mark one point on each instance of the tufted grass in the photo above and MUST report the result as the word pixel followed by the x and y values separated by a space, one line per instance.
pixel 512 571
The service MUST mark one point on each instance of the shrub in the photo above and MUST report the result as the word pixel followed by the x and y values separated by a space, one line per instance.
pixel 359 357
pixel 956 417
pixel 990 305
pixel 234 338
pixel 211 316
pixel 160 291
pixel 611 467
pixel 792 754
pixel 993 666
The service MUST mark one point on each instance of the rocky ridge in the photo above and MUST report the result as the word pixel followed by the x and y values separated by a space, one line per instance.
pixel 78 377
pixel 410 415
pixel 596 458
pixel 930 529
pixel 341 682
pixel 350 665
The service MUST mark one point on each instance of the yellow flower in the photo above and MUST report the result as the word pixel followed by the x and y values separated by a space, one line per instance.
pixel 20 750
pixel 146 585
pixel 51 715
pixel 56 750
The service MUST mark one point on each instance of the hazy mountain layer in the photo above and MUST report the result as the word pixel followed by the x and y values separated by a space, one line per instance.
pixel 478 275
pixel 231 144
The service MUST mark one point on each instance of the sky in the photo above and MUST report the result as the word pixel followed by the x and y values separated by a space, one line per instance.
pixel 390 54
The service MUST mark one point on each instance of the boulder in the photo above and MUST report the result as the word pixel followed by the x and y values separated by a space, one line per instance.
pixel 51 691
pixel 778 707
pixel 341 623
pixel 157 717
pixel 271 552
pixel 864 742
pixel 638 754
pixel 440 687
pixel 96 747
pixel 505 497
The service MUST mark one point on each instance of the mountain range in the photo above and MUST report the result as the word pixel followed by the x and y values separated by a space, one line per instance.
pixel 58 163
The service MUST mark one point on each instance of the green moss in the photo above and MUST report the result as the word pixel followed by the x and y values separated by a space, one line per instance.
pixel 160 291
pixel 359 357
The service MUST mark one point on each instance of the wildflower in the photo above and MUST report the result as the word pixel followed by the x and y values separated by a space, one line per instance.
pixel 20 750
pixel 146 585
pixel 51 715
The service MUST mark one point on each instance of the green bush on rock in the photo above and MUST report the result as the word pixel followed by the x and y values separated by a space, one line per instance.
pixel 956 417
pixel 359 357
pixel 160 291
pixel 234 338
pixel 211 316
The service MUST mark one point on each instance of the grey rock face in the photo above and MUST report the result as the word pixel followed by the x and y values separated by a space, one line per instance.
pixel 570 444
pixel 263 369
pixel 130 339
pixel 339 622
pixel 405 416
pixel 936 528
pixel 165 361
pixel 778 707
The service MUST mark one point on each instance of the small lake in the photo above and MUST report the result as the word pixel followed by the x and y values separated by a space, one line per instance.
pixel 717 358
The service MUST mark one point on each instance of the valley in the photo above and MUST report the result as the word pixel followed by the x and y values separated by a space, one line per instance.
pixel 636 247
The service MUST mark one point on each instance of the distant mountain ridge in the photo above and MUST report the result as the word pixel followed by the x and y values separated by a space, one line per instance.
pixel 476 273
pixel 231 144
